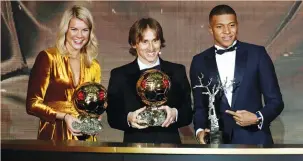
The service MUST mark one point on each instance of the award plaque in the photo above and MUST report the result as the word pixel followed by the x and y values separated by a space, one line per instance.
pixel 90 100
pixel 153 86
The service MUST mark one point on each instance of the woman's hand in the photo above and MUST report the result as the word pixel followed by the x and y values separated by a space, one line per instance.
pixel 69 119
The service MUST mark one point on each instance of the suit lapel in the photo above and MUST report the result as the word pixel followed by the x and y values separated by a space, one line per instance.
pixel 132 76
pixel 165 68
pixel 213 73
pixel 133 71
pixel 212 67
pixel 240 67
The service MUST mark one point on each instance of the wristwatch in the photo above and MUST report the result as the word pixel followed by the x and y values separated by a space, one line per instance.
pixel 259 117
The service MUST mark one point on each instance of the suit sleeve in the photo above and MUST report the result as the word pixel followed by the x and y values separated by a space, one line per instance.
pixel 185 113
pixel 200 100
pixel 116 113
pixel 37 86
pixel 270 89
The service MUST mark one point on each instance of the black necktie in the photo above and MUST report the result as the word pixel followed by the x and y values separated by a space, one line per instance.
pixel 222 51
pixel 158 67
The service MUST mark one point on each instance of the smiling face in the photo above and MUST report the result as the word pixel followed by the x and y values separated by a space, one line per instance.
pixel 77 35
pixel 224 29
pixel 148 48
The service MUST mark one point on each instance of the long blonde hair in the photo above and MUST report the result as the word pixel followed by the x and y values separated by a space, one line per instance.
pixel 90 50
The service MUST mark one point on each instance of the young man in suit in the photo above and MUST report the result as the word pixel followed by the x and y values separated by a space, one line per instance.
pixel 146 40
pixel 242 117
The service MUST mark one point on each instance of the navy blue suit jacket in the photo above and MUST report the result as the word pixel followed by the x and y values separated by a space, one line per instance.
pixel 254 77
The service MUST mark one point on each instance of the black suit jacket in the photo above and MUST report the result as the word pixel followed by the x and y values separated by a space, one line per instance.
pixel 123 98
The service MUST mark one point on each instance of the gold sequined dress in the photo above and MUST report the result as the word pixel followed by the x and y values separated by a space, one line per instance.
pixel 50 90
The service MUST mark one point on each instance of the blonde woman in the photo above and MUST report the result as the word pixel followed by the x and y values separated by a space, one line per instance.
pixel 58 71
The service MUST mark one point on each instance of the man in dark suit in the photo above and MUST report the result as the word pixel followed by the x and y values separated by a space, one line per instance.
pixel 146 39
pixel 242 117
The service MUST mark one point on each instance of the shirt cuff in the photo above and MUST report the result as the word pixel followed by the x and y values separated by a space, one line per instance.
pixel 199 131
pixel 260 118
pixel 127 120
pixel 176 114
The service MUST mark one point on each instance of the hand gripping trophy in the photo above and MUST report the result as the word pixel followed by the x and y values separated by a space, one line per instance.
pixel 90 100
pixel 215 136
pixel 153 86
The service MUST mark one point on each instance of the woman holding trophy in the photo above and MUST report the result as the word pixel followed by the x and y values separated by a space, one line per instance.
pixel 129 91
pixel 58 71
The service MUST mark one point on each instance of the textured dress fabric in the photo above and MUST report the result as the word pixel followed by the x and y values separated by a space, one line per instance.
pixel 50 90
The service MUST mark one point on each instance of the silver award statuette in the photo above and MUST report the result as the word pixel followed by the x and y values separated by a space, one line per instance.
pixel 153 86
pixel 90 100
pixel 215 136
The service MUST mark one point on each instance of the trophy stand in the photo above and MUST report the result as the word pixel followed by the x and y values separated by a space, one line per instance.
pixel 215 136
pixel 153 116
pixel 89 125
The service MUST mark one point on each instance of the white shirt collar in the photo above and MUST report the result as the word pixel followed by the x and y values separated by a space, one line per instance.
pixel 143 66
pixel 219 47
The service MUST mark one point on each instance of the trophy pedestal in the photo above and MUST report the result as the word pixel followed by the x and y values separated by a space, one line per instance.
pixel 152 116
pixel 214 137
pixel 89 125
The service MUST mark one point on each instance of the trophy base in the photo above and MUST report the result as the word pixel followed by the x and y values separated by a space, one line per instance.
pixel 152 116
pixel 88 125
pixel 214 137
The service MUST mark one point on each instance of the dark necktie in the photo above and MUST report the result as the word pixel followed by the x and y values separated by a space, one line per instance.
pixel 222 51
pixel 158 67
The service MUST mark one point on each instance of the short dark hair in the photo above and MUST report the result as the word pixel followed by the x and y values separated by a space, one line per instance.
pixel 221 10
pixel 137 30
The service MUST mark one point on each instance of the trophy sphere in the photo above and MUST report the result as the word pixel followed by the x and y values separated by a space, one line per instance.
pixel 90 99
pixel 153 87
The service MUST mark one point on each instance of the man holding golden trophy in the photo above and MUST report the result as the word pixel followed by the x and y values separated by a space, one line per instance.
pixel 149 98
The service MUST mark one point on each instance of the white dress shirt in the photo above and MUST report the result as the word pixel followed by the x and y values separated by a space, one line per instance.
pixel 226 68
pixel 143 66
